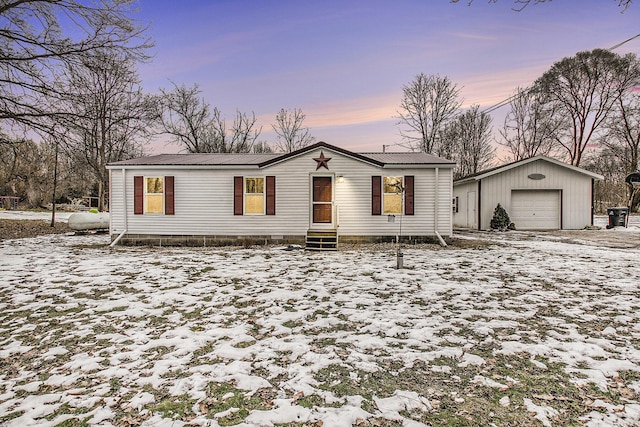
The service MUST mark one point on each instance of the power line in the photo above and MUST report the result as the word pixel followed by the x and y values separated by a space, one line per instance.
pixel 624 42
pixel 516 95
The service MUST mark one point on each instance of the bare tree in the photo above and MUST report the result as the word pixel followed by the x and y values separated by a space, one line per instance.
pixel 186 117
pixel 291 134
pixel 192 123
pixel 428 103
pixel 34 45
pixel 622 138
pixel 520 5
pixel 262 147
pixel 611 191
pixel 110 114
pixel 582 92
pixel 244 133
pixel 467 140
pixel 623 129
pixel 25 170
pixel 528 128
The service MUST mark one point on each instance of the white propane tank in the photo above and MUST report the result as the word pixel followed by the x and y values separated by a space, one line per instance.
pixel 89 221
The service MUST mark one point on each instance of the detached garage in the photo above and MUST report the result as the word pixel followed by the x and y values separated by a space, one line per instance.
pixel 539 193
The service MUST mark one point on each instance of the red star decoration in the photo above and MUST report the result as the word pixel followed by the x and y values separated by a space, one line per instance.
pixel 322 161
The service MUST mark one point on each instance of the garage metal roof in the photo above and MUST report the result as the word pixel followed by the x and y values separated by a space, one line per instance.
pixel 503 168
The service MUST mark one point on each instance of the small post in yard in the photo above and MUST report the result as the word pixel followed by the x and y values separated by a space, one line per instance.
pixel 55 183
pixel 399 254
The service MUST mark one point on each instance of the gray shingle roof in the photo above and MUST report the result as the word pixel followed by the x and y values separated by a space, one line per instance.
pixel 407 158
pixel 200 159
pixel 259 160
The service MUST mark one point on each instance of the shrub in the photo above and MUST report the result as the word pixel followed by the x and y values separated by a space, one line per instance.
pixel 500 220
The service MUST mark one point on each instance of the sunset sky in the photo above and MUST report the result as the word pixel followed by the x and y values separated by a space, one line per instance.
pixel 344 63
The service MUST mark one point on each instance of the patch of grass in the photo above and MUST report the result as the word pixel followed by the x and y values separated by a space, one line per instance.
pixel 10 416
pixel 292 324
pixel 67 409
pixel 175 407
pixel 344 381
pixel 74 422
pixel 114 385
pixel 224 396
pixel 204 351
pixel 245 344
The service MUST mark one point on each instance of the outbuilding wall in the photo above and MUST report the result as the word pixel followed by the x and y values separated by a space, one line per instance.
pixel 575 191
pixel 462 215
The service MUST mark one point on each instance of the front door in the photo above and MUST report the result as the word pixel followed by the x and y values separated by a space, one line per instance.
pixel 322 201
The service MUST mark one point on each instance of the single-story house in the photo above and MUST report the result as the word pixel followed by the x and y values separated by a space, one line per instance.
pixel 318 195
pixel 538 193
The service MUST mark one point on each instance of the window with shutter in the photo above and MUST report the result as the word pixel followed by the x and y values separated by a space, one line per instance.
pixel 153 195
pixel 392 195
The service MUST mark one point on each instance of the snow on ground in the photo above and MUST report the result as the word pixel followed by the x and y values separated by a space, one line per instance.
pixel 60 216
pixel 509 328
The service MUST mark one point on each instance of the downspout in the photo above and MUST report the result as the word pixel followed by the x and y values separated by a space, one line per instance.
pixel 593 185
pixel 124 208
pixel 479 205
pixel 435 216
pixel 435 213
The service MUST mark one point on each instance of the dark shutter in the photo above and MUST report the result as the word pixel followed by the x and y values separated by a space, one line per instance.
pixel 169 202
pixel 376 195
pixel 138 195
pixel 408 195
pixel 271 195
pixel 238 193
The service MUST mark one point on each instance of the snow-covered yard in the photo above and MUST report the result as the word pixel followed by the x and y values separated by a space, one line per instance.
pixel 504 328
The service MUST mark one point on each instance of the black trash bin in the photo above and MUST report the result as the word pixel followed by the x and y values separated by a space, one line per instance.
pixel 617 217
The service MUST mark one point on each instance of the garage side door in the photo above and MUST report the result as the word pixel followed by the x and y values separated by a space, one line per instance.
pixel 535 210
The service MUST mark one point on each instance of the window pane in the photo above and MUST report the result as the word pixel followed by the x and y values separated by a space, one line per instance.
pixel 154 203
pixel 392 184
pixel 392 204
pixel 322 189
pixel 254 185
pixel 154 185
pixel 254 204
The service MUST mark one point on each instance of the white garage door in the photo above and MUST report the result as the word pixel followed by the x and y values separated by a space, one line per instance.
pixel 535 210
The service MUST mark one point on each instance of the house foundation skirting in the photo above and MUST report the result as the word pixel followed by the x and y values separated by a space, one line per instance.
pixel 193 240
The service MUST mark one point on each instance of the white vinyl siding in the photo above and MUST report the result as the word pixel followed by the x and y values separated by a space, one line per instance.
pixel 572 187
pixel 204 200
pixel 466 216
